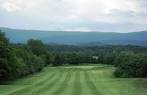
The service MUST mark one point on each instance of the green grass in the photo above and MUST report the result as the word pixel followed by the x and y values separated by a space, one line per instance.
pixel 76 80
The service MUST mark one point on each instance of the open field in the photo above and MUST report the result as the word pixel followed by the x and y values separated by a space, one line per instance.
pixel 76 80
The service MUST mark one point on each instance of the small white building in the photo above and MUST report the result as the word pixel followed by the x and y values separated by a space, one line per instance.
pixel 95 57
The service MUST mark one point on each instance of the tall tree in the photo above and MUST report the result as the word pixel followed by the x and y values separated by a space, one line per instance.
pixel 8 62
pixel 37 47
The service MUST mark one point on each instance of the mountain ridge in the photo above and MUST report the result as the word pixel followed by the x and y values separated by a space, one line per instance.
pixel 65 37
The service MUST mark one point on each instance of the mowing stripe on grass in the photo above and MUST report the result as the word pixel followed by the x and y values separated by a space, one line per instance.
pixel 77 90
pixel 91 85
pixel 32 79
pixel 28 88
pixel 63 85
pixel 40 84
pixel 49 84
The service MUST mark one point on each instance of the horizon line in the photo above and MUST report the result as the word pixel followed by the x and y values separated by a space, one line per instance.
pixel 45 30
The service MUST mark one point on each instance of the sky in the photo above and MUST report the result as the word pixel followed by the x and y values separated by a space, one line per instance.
pixel 75 15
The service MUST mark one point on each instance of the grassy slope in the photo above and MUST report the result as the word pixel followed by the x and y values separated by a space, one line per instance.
pixel 76 80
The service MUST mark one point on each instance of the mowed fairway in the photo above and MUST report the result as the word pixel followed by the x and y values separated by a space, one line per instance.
pixel 76 80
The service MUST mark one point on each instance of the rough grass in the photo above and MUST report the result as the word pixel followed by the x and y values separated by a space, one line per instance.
pixel 76 80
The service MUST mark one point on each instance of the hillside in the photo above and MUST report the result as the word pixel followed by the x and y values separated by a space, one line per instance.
pixel 84 38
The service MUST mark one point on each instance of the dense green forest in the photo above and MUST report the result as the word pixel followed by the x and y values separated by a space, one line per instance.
pixel 19 60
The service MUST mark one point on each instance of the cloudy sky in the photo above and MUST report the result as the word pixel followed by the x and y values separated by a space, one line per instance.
pixel 75 15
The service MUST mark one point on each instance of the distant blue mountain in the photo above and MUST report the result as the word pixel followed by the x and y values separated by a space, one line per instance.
pixel 77 37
